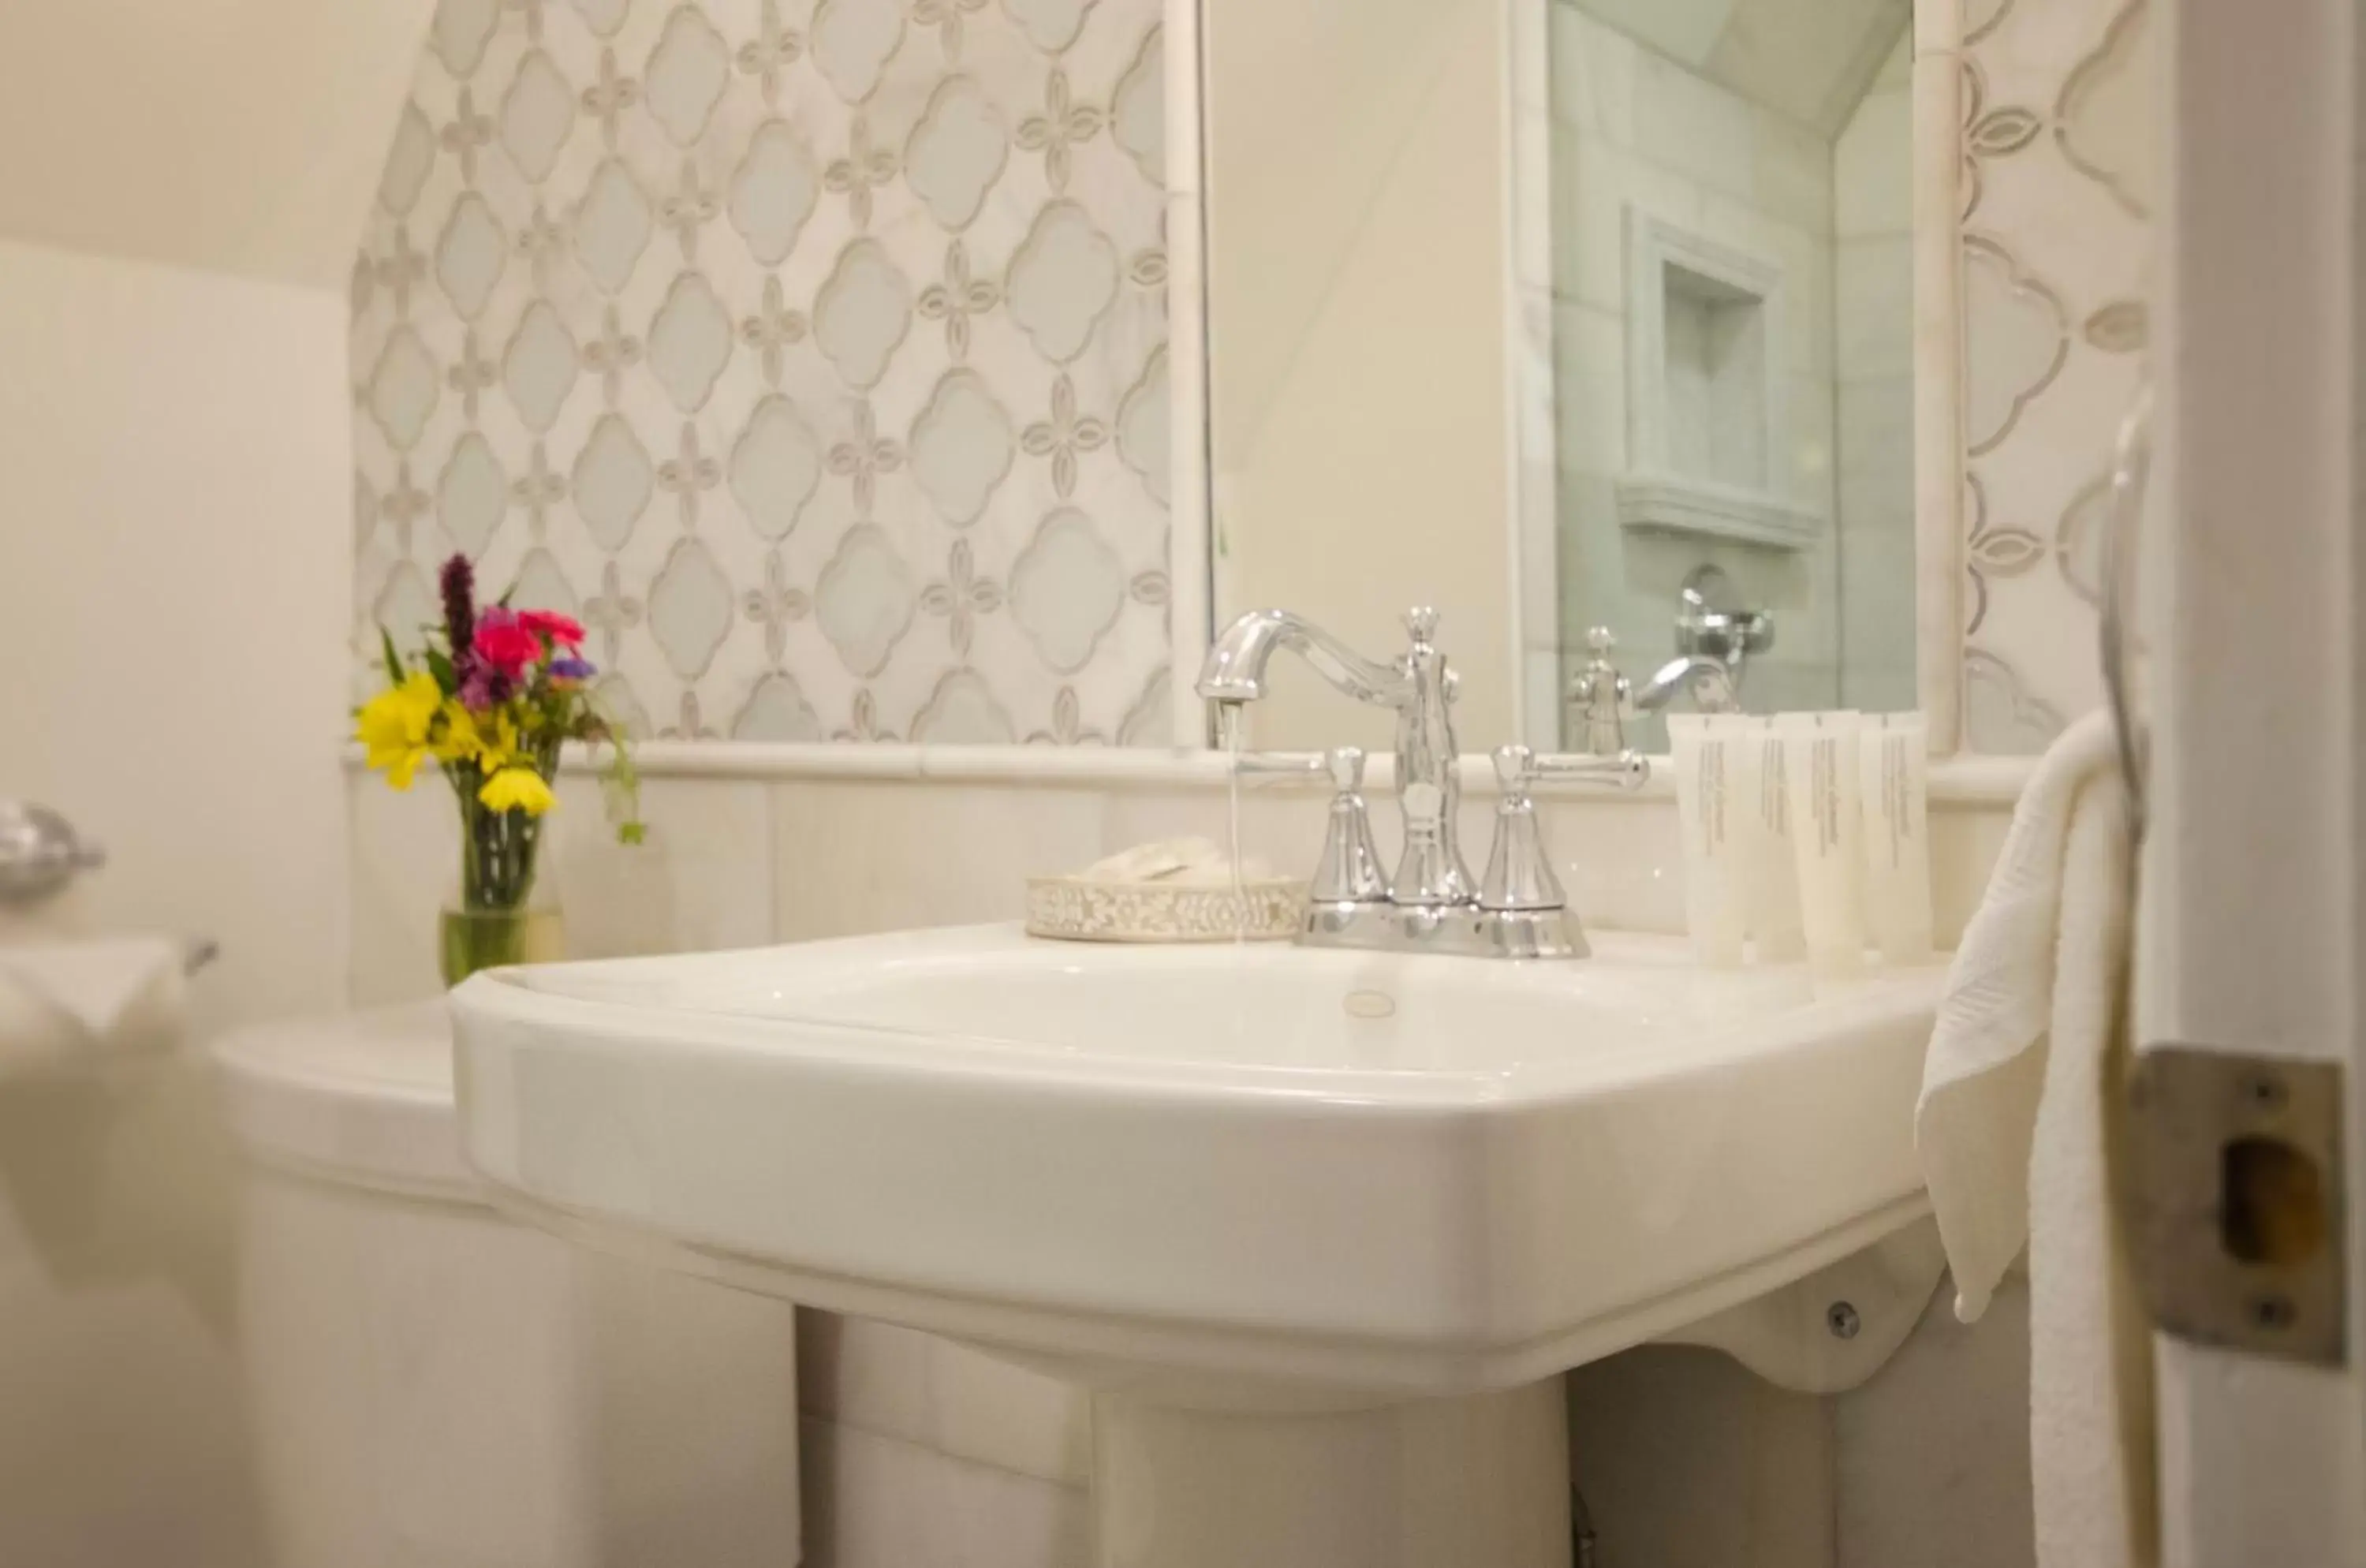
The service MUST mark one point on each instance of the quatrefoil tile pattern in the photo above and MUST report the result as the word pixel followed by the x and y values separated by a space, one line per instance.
pixel 800 347
pixel 2058 240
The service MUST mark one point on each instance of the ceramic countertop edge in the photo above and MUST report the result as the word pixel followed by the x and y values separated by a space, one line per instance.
pixel 1956 782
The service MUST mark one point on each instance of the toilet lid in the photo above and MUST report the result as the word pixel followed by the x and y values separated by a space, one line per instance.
pixel 362 1097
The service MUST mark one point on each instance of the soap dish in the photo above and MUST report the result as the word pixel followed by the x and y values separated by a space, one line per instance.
pixel 1079 908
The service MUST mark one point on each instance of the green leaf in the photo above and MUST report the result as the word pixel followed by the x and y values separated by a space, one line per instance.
pixel 439 664
pixel 393 660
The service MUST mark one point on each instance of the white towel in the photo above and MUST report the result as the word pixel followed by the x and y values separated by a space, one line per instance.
pixel 2010 1130
pixel 57 998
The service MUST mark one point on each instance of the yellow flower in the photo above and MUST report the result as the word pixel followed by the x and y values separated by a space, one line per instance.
pixel 392 726
pixel 497 741
pixel 517 789
pixel 460 742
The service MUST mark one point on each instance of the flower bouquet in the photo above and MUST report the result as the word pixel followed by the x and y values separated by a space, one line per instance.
pixel 489 697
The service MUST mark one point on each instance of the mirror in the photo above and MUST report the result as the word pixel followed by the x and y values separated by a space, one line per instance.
pixel 1565 314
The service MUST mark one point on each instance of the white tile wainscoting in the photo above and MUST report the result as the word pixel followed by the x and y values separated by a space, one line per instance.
pixel 923 1454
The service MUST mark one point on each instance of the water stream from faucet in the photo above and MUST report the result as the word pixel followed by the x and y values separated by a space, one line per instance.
pixel 1229 726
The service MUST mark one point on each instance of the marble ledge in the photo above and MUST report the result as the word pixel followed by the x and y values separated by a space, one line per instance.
pixel 1959 782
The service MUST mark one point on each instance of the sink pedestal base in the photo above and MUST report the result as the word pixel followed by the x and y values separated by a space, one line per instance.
pixel 1473 1483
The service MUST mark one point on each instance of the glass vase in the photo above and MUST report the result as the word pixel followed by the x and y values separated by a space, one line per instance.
pixel 473 938
pixel 496 919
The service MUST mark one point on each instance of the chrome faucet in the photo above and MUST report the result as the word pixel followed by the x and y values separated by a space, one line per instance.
pixel 1431 904
pixel 1708 682
pixel 1420 688
pixel 1714 641
pixel 1601 700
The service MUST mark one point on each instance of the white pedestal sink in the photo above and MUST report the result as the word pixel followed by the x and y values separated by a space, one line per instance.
pixel 1320 1228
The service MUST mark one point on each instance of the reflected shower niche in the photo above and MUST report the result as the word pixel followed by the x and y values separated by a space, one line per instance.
pixel 1708 408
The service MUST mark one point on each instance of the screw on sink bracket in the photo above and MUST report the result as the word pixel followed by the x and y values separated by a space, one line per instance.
pixel 1842 1320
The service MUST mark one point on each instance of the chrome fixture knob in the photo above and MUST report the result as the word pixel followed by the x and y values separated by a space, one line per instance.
pixel 1601 698
pixel 1346 766
pixel 1519 868
pixel 1349 870
pixel 40 853
pixel 1710 624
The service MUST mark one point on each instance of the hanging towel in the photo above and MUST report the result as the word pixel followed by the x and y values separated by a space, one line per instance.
pixel 2011 1131
pixel 60 997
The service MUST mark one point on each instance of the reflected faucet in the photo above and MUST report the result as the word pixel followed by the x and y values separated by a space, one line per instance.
pixel 1431 904
pixel 1713 642
pixel 1709 681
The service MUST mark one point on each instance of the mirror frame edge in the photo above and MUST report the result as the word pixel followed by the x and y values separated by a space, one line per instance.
pixel 1191 539
pixel 1940 465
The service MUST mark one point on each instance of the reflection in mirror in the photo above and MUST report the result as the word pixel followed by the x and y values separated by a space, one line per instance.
pixel 1706 229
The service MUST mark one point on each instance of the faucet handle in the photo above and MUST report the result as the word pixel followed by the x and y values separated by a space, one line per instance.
pixel 1518 767
pixel 1519 875
pixel 1348 872
pixel 1519 871
pixel 1512 764
pixel 1602 697
pixel 1346 766
pixel 1282 764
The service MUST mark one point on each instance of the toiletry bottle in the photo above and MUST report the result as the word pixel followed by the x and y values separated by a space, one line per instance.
pixel 1706 807
pixel 1768 874
pixel 1892 758
pixel 1819 770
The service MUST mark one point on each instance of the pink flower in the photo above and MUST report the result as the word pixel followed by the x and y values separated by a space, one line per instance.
pixel 558 628
pixel 504 642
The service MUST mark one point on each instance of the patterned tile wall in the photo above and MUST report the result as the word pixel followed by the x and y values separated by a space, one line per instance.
pixel 2060 142
pixel 813 352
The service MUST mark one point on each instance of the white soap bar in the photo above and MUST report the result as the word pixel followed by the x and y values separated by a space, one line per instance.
pixel 1187 861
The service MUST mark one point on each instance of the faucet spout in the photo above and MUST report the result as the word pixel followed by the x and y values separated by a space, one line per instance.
pixel 1710 680
pixel 1419 688
pixel 1234 669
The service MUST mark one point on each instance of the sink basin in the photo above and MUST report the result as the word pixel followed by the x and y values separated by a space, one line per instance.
pixel 1271 1187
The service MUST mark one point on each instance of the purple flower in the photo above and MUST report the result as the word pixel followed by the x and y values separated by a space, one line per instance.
pixel 572 669
pixel 483 690
pixel 458 580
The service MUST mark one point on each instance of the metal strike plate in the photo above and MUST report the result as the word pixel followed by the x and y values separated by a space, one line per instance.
pixel 2234 1200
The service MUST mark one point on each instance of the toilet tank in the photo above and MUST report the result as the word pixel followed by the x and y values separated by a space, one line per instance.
pixel 433 1383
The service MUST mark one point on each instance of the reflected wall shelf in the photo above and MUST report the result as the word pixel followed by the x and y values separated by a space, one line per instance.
pixel 1709 390
pixel 1669 503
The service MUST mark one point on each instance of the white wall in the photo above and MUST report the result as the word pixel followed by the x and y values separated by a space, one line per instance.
pixel 173 599
pixel 175 562
pixel 1357 279
pixel 173 567
pixel 238 136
